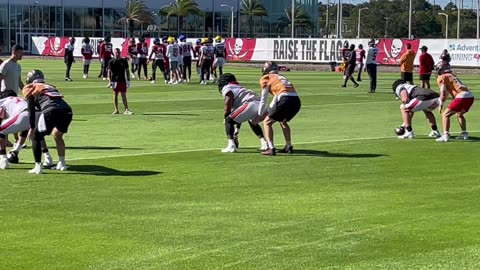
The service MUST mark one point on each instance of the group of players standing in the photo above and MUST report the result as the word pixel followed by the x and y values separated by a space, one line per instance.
pixel 173 57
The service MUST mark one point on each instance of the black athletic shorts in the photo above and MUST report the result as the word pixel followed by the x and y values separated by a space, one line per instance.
pixel 407 76
pixel 287 107
pixel 425 77
pixel 350 69
pixel 58 118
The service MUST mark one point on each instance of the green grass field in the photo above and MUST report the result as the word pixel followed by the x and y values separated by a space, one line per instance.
pixel 153 191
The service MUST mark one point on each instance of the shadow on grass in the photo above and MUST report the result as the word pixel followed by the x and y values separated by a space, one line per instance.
pixel 105 171
pixel 100 148
pixel 172 114
pixel 304 152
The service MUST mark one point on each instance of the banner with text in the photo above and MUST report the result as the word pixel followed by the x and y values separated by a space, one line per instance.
pixel 464 52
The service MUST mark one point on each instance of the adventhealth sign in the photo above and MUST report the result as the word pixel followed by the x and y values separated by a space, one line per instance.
pixel 464 52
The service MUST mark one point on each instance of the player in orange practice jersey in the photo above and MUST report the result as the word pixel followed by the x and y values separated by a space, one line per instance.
pixel 462 100
pixel 284 106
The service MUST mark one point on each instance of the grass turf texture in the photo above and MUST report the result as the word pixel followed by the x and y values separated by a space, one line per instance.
pixel 153 191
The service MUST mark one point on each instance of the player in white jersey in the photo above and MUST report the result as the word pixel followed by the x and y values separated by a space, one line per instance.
pixel 220 52
pixel 240 105
pixel 186 48
pixel 173 54
pixel 206 59
pixel 371 63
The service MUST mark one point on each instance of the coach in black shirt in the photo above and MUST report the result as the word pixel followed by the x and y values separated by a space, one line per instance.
pixel 119 80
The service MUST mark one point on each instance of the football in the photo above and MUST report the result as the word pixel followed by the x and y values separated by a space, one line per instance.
pixel 400 130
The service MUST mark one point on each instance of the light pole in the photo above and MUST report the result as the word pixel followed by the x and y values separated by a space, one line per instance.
pixel 339 19
pixel 386 26
pixel 460 5
pixel 326 19
pixel 478 19
pixel 360 14
pixel 293 18
pixel 37 21
pixel 410 20
pixel 446 23
pixel 231 23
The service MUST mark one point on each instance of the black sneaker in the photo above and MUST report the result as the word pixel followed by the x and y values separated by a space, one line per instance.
pixel 356 85
pixel 286 150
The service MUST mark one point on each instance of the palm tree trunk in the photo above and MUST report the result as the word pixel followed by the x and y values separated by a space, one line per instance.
pixel 250 25
pixel 180 25
pixel 131 28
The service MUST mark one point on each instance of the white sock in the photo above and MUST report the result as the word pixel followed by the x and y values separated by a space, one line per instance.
pixel 446 133
pixel 17 147
pixel 270 145
pixel 263 141
pixel 3 156
pixel 288 143
pixel 231 142
pixel 38 165
pixel 61 159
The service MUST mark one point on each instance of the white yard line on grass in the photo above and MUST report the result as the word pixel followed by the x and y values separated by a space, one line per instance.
pixel 213 149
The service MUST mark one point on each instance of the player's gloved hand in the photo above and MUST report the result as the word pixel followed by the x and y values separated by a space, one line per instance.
pixel 128 84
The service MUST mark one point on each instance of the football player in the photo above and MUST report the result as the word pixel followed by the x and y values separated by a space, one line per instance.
pixel 220 52
pixel 87 53
pixel 197 51
pixel 166 61
pixel 206 60
pixel 463 99
pixel 415 99
pixel 68 58
pixel 285 105
pixel 173 54
pixel 142 49
pixel 186 49
pixel 55 118
pixel 350 68
pixel 133 55
pixel 158 62
pixel 106 54
pixel 360 57
pixel 240 105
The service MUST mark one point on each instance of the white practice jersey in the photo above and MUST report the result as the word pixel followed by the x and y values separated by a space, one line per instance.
pixel 240 95
pixel 372 55
pixel 186 48
pixel 220 50
pixel 173 52
pixel 408 87
pixel 13 106
pixel 207 51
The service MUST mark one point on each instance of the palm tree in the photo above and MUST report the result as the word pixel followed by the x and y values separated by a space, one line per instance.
pixel 252 9
pixel 301 19
pixel 181 9
pixel 136 13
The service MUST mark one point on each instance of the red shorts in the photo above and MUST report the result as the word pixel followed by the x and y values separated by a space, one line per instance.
pixel 120 87
pixel 461 104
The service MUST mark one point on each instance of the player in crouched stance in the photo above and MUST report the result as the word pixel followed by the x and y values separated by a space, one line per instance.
pixel 240 105
pixel 415 99
pixel 284 106
pixel 462 101
pixel 56 116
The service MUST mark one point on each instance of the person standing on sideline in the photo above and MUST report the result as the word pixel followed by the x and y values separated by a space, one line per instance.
pixel 350 69
pixel 445 56
pixel 360 53
pixel 119 80
pixel 426 67
pixel 100 59
pixel 11 71
pixel 371 62
pixel 87 53
pixel 68 58
pixel 406 62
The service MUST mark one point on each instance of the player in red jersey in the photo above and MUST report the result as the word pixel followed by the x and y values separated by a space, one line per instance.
pixel 133 54
pixel 360 56
pixel 166 61
pixel 106 53
pixel 159 53
pixel 196 52
pixel 142 48
pixel 87 53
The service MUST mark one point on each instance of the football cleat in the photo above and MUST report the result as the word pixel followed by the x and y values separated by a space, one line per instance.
pixel 463 136
pixel 48 162
pixel 128 112
pixel 229 149
pixel 435 134
pixel 152 82
pixel 407 135
pixel 443 138
pixel 4 163
pixel 61 166
pixel 12 158
pixel 36 170
pixel 286 150
pixel 269 152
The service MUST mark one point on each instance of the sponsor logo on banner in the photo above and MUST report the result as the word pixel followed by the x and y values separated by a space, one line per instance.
pixel 465 53
pixel 391 49
pixel 240 49
pixel 55 46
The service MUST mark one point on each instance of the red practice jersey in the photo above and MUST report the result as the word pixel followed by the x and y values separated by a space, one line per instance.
pixel 106 50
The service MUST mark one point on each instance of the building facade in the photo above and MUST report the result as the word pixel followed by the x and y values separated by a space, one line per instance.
pixel 22 19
